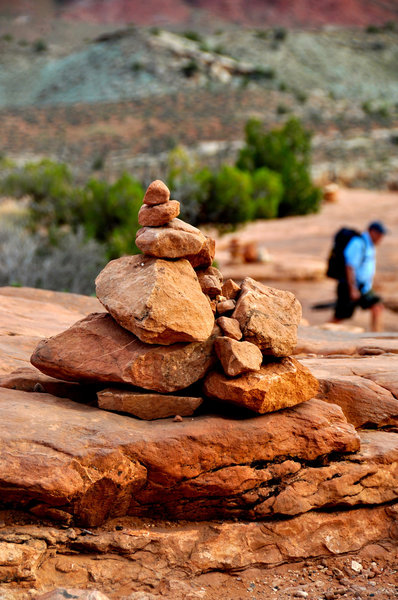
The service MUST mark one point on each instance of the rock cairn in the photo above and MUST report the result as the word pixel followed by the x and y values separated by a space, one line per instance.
pixel 172 322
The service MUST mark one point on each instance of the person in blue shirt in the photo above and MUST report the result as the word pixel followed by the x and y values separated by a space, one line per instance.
pixel 360 266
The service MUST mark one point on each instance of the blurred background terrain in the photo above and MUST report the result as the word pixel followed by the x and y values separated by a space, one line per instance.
pixel 111 94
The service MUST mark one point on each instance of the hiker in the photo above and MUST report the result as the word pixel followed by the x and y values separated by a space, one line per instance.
pixel 357 269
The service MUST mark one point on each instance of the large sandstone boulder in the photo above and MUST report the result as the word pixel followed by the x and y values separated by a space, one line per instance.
pixel 97 349
pixel 278 384
pixel 160 301
pixel 95 464
pixel 177 239
pixel 268 317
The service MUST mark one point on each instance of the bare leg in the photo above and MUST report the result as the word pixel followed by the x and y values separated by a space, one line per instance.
pixel 376 315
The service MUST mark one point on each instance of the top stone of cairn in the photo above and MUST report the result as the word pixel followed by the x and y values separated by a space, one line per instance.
pixel 157 193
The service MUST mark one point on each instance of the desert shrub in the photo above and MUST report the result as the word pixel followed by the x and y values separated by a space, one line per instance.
pixel 106 212
pixel 230 197
pixel 261 73
pixel 109 213
pixel 29 260
pixel 40 45
pixel 41 180
pixel 193 35
pixel 280 34
pixel 190 68
pixel 190 184
pixel 267 193
pixel 286 151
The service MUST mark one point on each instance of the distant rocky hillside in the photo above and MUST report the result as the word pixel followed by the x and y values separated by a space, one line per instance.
pixel 307 13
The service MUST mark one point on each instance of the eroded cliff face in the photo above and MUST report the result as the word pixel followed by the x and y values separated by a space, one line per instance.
pixel 304 13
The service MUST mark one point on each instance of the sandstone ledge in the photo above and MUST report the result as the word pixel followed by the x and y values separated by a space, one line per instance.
pixel 142 554
pixel 95 465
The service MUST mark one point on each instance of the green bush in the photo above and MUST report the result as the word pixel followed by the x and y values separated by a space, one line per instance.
pixel 190 68
pixel 267 193
pixel 230 200
pixel 286 151
pixel 189 183
pixel 40 45
pixel 109 213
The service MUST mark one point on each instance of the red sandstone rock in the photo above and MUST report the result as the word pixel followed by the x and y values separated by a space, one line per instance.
pixel 225 306
pixel 96 464
pixel 277 385
pixel 365 388
pixel 268 317
pixel 230 289
pixel 204 258
pixel 147 406
pixel 160 301
pixel 210 280
pixel 97 349
pixel 29 379
pixel 160 214
pixel 174 240
pixel 194 549
pixel 237 357
pixel 157 193
pixel 230 327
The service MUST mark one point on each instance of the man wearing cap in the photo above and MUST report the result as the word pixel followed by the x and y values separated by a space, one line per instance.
pixel 360 266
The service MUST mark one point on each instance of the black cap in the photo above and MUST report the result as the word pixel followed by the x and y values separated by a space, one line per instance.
pixel 378 226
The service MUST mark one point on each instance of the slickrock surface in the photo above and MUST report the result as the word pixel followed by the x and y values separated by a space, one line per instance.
pixel 157 193
pixel 160 214
pixel 96 464
pixel 177 239
pixel 30 379
pixel 160 301
pixel 278 384
pixel 237 357
pixel 365 388
pixel 315 340
pixel 230 327
pixel 27 315
pixel 97 349
pixel 124 557
pixel 268 317
pixel 146 405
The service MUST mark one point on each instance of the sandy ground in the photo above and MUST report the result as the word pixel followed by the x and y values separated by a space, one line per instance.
pixel 295 242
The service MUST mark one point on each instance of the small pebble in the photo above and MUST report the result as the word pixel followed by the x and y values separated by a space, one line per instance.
pixel 177 419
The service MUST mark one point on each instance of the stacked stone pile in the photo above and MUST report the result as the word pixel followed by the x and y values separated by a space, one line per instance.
pixel 172 322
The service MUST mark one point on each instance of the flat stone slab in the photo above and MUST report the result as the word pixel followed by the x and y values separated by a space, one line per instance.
pixel 146 405
pixel 95 464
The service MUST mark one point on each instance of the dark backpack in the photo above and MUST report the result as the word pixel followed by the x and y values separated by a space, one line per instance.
pixel 336 263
